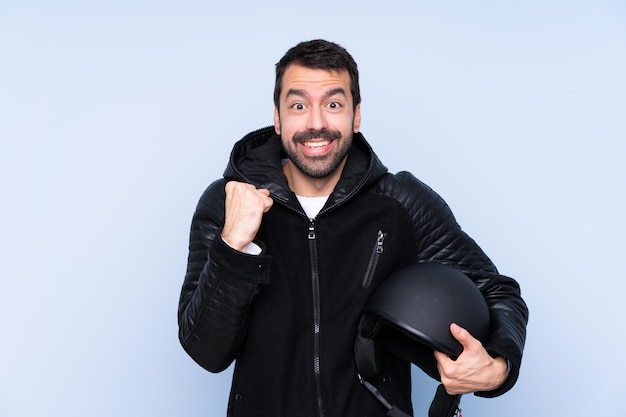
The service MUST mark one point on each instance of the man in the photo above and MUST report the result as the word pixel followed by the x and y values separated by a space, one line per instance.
pixel 282 250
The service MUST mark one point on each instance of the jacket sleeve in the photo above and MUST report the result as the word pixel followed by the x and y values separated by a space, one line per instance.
pixel 440 239
pixel 219 286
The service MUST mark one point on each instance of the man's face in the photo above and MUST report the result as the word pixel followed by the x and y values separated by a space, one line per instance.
pixel 316 119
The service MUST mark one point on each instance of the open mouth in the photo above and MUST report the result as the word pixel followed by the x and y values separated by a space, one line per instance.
pixel 316 144
pixel 316 147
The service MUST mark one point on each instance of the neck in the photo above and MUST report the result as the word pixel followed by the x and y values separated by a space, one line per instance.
pixel 306 186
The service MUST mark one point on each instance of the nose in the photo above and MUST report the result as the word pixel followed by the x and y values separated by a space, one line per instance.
pixel 316 119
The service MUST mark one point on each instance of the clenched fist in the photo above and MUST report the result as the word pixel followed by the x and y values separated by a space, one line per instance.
pixel 245 206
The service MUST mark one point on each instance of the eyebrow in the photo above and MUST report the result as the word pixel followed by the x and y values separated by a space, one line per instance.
pixel 304 93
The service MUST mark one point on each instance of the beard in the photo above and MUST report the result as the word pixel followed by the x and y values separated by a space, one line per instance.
pixel 319 166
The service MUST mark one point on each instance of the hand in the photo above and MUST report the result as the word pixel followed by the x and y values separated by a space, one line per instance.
pixel 474 370
pixel 245 206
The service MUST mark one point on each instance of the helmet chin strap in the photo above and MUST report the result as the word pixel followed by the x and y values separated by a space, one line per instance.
pixel 443 405
pixel 392 410
pixel 369 363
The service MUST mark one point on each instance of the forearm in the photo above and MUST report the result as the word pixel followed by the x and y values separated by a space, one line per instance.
pixel 509 317
pixel 213 309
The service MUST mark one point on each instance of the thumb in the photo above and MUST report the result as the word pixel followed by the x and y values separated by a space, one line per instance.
pixel 461 335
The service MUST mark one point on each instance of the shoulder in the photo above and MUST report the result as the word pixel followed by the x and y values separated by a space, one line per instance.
pixel 212 199
pixel 409 191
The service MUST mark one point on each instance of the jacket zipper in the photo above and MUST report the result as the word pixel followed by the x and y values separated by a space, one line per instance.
pixel 316 316
pixel 376 253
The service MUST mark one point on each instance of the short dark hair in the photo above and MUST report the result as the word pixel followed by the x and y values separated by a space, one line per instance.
pixel 319 54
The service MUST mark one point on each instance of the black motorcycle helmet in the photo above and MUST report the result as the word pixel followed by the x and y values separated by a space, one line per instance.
pixel 409 316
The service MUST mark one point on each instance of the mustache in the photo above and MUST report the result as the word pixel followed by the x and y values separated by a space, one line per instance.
pixel 316 134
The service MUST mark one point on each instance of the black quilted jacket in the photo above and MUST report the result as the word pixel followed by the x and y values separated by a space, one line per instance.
pixel 288 317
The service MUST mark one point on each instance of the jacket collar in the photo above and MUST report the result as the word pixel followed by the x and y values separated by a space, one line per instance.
pixel 256 159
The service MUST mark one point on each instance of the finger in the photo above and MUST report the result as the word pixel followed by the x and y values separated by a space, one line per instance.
pixel 463 336
pixel 442 358
pixel 445 368
pixel 266 201
pixel 268 205
pixel 264 191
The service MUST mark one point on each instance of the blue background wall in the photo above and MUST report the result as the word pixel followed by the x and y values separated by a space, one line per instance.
pixel 114 117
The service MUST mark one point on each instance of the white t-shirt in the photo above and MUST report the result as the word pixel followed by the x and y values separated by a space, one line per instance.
pixel 312 205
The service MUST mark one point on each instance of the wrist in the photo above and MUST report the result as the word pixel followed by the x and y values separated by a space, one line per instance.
pixel 238 246
pixel 502 368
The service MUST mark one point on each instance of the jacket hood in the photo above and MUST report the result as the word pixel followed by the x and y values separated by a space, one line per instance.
pixel 257 160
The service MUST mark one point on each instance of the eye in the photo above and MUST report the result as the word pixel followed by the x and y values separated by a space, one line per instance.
pixel 297 106
pixel 334 105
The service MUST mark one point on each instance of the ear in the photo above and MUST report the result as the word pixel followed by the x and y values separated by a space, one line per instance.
pixel 276 121
pixel 357 119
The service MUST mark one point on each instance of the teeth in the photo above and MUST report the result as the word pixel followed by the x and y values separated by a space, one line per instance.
pixel 316 144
